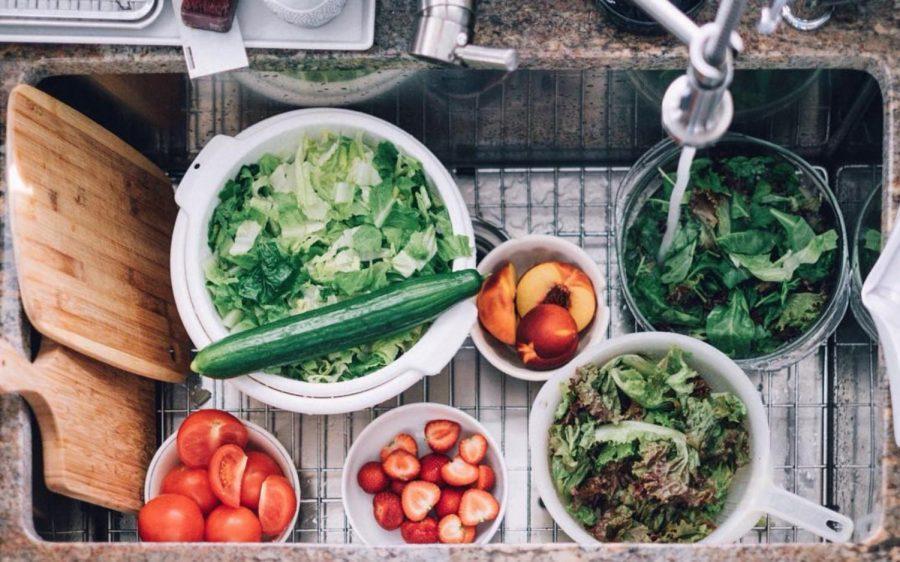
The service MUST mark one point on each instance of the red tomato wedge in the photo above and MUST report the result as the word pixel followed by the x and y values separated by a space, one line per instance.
pixel 277 504
pixel 226 471
pixel 259 466
pixel 192 483
pixel 203 432
pixel 232 524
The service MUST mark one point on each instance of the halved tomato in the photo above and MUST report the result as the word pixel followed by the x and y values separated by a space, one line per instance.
pixel 277 504
pixel 259 466
pixel 226 471
pixel 204 431
pixel 193 483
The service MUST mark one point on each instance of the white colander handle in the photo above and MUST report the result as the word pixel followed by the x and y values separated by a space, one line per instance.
pixel 807 515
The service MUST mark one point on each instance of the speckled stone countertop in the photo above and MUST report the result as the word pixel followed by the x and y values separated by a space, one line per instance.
pixel 548 34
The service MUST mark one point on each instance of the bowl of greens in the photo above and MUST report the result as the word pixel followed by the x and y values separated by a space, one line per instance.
pixel 659 437
pixel 867 241
pixel 759 263
pixel 304 210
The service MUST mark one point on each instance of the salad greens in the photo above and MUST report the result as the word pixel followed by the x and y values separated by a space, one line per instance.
pixel 335 219
pixel 870 249
pixel 644 451
pixel 752 262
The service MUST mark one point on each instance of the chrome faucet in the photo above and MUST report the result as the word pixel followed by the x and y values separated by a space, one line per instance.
pixel 697 108
pixel 443 33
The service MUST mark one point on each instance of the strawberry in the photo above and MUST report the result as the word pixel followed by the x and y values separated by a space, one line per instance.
pixel 422 532
pixel 387 510
pixel 451 530
pixel 469 532
pixel 403 441
pixel 472 449
pixel 418 498
pixel 485 478
pixel 459 472
pixel 371 478
pixel 431 468
pixel 401 465
pixel 441 435
pixel 397 486
pixel 449 502
pixel 477 506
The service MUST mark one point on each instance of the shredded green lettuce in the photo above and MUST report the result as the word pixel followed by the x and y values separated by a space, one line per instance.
pixel 644 451
pixel 337 218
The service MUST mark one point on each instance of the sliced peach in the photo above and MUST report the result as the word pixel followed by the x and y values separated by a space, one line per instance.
pixel 496 304
pixel 558 283
pixel 547 337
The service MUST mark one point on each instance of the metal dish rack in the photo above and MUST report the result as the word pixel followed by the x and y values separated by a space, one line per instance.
pixel 825 413
pixel 103 13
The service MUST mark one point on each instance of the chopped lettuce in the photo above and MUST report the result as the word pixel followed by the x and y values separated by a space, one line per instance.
pixel 337 218
pixel 644 451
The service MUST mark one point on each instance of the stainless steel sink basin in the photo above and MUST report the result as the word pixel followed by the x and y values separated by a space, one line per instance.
pixel 537 151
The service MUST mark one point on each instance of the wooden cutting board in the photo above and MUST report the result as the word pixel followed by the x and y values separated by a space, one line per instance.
pixel 97 424
pixel 91 220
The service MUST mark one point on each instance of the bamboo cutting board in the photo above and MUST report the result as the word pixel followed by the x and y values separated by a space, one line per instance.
pixel 91 220
pixel 97 424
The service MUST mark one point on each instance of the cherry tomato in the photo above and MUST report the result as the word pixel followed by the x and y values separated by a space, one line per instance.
pixel 204 431
pixel 277 503
pixel 192 483
pixel 170 518
pixel 259 465
pixel 226 470
pixel 232 524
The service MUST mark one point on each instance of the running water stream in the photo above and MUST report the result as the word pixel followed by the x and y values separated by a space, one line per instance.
pixel 681 181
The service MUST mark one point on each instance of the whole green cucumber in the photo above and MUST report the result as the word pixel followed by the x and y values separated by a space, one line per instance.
pixel 351 322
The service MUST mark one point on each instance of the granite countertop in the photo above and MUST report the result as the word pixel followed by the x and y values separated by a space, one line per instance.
pixel 554 34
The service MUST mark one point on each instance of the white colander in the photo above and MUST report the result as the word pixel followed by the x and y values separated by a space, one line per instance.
pixel 753 491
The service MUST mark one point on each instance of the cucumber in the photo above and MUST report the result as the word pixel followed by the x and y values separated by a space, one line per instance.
pixel 354 321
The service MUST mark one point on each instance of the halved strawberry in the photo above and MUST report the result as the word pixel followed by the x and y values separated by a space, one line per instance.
pixel 418 498
pixel 449 502
pixel 473 449
pixel 397 486
pixel 469 534
pixel 477 506
pixel 431 468
pixel 401 465
pixel 421 532
pixel 387 510
pixel 441 435
pixel 459 472
pixel 451 530
pixel 403 441
pixel 485 478
pixel 371 478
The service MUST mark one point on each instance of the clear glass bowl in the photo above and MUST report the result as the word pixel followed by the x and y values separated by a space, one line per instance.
pixel 869 217
pixel 643 180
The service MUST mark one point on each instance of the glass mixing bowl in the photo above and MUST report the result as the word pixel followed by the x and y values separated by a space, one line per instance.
pixel 860 263
pixel 643 180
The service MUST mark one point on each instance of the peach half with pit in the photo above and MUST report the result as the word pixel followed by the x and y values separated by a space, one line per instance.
pixel 496 304
pixel 547 337
pixel 558 283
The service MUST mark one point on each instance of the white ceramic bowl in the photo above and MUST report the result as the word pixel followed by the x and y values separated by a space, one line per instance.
pixel 306 13
pixel 753 491
pixel 411 419
pixel 197 196
pixel 166 459
pixel 524 253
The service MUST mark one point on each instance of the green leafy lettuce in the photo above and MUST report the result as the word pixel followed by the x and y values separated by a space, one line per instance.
pixel 642 450
pixel 336 218
pixel 752 262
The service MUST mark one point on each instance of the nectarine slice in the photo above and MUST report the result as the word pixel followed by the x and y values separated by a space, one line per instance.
pixel 547 337
pixel 561 284
pixel 496 304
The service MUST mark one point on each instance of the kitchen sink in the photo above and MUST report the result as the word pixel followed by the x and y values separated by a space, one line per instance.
pixel 532 151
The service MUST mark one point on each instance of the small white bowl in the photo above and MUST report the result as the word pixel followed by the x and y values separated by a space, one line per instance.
pixel 306 13
pixel 753 491
pixel 411 419
pixel 525 253
pixel 166 459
